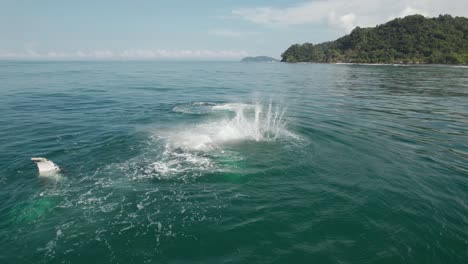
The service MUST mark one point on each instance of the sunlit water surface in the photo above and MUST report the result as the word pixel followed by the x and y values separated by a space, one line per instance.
pixel 224 162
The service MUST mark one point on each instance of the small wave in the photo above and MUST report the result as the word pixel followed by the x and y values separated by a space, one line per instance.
pixel 233 106
pixel 193 108
pixel 459 66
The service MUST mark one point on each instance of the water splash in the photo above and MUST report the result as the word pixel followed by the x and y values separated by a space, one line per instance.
pixel 188 151
pixel 242 122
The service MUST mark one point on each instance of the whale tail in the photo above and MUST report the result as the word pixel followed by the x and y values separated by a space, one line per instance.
pixel 45 166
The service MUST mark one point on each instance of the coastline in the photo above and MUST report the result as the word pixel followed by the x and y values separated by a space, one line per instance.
pixel 386 64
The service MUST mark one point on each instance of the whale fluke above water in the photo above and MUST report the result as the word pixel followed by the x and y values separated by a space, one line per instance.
pixel 45 166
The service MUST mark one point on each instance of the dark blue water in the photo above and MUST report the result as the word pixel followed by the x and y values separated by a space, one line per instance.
pixel 225 162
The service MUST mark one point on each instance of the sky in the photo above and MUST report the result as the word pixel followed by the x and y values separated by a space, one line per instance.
pixel 189 29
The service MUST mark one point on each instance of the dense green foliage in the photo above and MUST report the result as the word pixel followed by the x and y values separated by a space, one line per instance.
pixel 413 39
pixel 259 59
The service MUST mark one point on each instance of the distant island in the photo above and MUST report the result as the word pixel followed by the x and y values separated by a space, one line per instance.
pixel 259 59
pixel 413 39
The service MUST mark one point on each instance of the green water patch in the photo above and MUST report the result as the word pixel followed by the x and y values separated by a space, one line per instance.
pixel 230 166
pixel 31 211
pixel 230 162
pixel 234 177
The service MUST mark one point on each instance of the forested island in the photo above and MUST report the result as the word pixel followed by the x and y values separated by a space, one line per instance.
pixel 412 39
pixel 259 59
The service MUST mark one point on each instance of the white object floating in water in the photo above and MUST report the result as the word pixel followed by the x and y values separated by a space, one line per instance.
pixel 45 166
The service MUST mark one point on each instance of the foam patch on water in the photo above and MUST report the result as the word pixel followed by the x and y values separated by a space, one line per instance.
pixel 166 161
pixel 176 162
pixel 187 151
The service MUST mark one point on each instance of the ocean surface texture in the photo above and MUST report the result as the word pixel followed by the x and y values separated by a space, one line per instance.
pixel 228 162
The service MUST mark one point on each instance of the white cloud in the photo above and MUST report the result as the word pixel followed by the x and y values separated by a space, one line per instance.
pixel 126 54
pixel 345 22
pixel 346 14
pixel 411 11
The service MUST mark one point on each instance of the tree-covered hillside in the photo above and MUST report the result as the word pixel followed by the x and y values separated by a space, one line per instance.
pixel 413 39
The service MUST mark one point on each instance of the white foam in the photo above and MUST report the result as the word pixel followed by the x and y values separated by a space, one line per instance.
pixel 172 162
pixel 191 150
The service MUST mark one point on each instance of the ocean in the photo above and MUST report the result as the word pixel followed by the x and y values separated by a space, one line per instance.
pixel 229 162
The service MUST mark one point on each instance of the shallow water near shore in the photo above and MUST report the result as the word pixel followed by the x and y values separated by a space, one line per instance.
pixel 214 162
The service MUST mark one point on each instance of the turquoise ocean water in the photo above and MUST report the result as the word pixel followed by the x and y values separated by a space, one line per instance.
pixel 224 162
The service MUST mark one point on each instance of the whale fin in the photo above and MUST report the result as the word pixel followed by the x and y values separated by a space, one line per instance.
pixel 45 166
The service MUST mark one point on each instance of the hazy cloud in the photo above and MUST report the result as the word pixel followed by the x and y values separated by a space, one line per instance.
pixel 345 22
pixel 410 11
pixel 210 54
pixel 126 54
pixel 346 14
